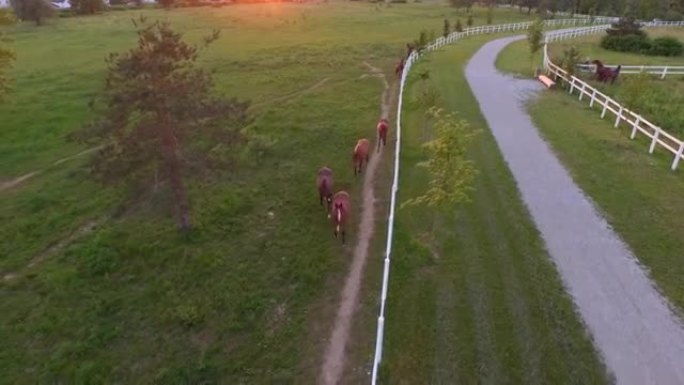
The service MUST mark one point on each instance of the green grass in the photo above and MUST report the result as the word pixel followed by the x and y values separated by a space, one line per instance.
pixel 481 302
pixel 237 300
pixel 589 47
pixel 515 58
pixel 637 193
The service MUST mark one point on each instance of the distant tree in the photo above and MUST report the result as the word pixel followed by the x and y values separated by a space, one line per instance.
pixel 571 57
pixel 490 15
pixel 447 28
pixel 529 4
pixel 626 26
pixel 32 10
pixel 451 172
pixel 458 4
pixel 164 120
pixel 535 35
pixel 458 27
pixel 166 3
pixel 421 42
pixel 6 54
pixel 470 21
pixel 87 7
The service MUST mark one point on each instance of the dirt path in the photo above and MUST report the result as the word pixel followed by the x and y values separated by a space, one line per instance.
pixel 21 179
pixel 335 357
pixel 633 327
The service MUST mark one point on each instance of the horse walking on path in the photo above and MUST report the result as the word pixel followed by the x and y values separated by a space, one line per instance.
pixel 382 128
pixel 324 183
pixel 341 207
pixel 360 153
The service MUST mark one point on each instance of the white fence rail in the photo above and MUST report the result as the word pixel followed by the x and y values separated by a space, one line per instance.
pixel 638 123
pixel 661 71
pixel 440 42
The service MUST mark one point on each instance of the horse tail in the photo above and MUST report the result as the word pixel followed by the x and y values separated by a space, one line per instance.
pixel 619 67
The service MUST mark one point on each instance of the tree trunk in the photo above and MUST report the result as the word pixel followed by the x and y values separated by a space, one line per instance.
pixel 173 165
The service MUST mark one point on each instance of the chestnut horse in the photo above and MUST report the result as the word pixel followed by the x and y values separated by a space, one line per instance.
pixel 341 206
pixel 603 73
pixel 360 153
pixel 382 127
pixel 324 182
pixel 399 67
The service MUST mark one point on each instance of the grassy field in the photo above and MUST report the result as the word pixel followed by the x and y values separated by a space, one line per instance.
pixel 246 298
pixel 638 194
pixel 516 57
pixel 474 298
pixel 657 100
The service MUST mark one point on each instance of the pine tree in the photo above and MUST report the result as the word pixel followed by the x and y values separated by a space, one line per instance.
pixel 458 27
pixel 163 118
pixel 6 54
pixel 447 28
pixel 470 21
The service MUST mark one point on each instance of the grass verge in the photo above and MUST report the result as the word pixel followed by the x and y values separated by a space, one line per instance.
pixel 637 193
pixel 474 297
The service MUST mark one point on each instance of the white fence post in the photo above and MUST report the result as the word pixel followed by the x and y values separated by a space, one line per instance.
pixel 619 116
pixel 635 126
pixel 572 85
pixel 654 141
pixel 581 94
pixel 593 97
pixel 678 156
pixel 664 72
pixel 605 108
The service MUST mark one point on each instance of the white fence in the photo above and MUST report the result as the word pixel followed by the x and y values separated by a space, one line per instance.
pixel 451 38
pixel 638 123
pixel 661 71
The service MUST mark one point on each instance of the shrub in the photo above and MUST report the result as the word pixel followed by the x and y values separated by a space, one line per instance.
pixel 626 43
pixel 87 7
pixel 458 27
pixel 625 27
pixel 33 10
pixel 666 46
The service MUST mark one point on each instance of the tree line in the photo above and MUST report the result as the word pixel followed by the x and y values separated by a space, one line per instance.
pixel 641 9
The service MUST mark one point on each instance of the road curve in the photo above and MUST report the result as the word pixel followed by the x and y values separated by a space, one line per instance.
pixel 633 327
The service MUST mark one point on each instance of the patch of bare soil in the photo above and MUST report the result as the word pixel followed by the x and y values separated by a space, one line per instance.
pixel 335 354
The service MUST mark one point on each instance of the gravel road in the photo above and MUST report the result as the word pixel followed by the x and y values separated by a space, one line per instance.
pixel 633 327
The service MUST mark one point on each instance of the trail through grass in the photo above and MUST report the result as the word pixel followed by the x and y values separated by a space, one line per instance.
pixel 474 297
pixel 234 302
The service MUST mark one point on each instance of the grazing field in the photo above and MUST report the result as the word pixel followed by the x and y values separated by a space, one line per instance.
pixel 248 296
pixel 658 100
pixel 638 194
pixel 515 58
pixel 474 297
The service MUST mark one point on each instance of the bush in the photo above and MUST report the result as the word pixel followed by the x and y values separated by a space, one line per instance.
pixel 662 46
pixel 87 7
pixel 626 43
pixel 32 10
pixel 666 46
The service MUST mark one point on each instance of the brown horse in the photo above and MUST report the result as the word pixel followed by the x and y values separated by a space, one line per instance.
pixel 341 207
pixel 382 127
pixel 399 68
pixel 324 182
pixel 360 153
pixel 603 73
